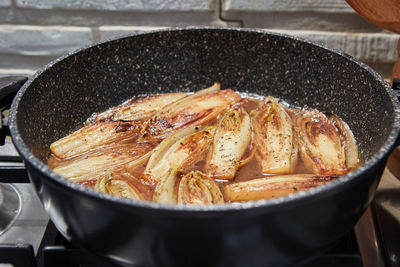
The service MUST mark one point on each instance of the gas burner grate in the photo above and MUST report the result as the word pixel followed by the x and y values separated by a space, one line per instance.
pixel 57 251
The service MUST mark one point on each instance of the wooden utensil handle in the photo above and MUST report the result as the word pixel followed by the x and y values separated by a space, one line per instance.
pixel 394 159
pixel 396 67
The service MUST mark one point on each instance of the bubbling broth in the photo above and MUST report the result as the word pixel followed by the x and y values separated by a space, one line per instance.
pixel 209 147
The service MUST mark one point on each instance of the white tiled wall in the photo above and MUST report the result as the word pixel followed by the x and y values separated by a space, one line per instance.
pixel 120 5
pixel 33 32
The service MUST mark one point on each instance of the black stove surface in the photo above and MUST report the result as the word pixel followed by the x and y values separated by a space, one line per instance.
pixel 65 254
pixel 55 250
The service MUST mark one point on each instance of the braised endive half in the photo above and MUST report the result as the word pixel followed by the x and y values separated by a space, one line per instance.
pixel 275 142
pixel 182 149
pixel 117 187
pixel 95 135
pixel 231 140
pixel 165 191
pixel 97 163
pixel 347 141
pixel 136 108
pixel 319 143
pixel 196 188
pixel 196 109
pixel 274 186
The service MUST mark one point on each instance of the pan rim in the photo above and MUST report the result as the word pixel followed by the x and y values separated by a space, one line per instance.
pixel 290 200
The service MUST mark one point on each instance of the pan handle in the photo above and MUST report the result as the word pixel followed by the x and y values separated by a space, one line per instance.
pixel 396 89
pixel 9 86
pixel 396 86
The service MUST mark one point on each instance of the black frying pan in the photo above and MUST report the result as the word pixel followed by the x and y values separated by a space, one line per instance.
pixel 280 231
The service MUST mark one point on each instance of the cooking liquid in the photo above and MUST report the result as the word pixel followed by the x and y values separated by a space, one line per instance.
pixel 247 172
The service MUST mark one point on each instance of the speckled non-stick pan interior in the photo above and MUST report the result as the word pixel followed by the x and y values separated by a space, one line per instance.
pixel 64 94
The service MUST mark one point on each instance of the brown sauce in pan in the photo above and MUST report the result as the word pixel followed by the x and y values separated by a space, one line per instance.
pixel 247 172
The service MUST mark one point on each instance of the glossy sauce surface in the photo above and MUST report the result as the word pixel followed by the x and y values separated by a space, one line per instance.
pixel 131 146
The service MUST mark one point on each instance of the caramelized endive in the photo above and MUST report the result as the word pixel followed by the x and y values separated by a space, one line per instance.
pixel 165 190
pixel 209 147
pixel 275 142
pixel 320 143
pixel 117 187
pixel 137 108
pixel 196 188
pixel 347 141
pixel 274 186
pixel 196 109
pixel 185 152
pixel 98 162
pixel 231 140
pixel 92 136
